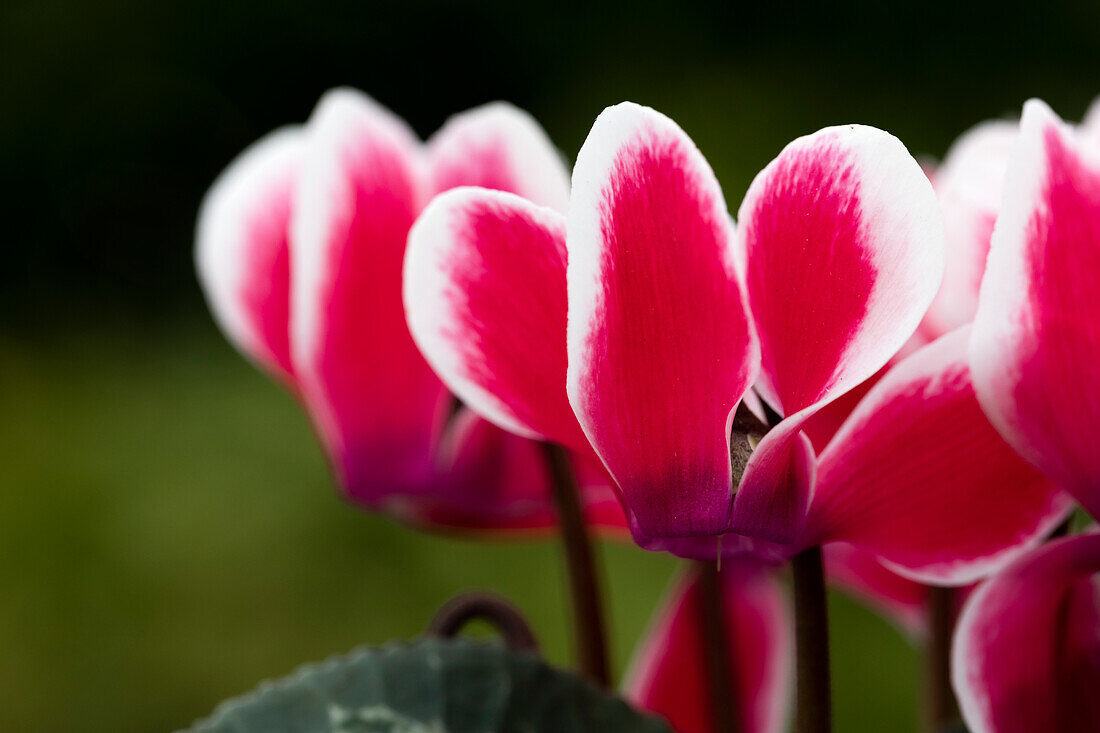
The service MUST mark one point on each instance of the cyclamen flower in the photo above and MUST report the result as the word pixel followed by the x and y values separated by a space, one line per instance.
pixel 634 327
pixel 1027 651
pixel 299 249
pixel 1026 655
pixel 968 187
pixel 668 672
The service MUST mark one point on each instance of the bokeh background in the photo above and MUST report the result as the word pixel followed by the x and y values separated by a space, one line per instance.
pixel 169 534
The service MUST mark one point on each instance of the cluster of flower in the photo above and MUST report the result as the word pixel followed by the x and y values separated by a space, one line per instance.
pixel 926 416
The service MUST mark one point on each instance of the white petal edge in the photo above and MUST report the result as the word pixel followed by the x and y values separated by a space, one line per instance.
pixel 220 232
pixel 426 284
pixel 879 156
pixel 323 189
pixel 614 127
pixel 538 166
pixel 1002 299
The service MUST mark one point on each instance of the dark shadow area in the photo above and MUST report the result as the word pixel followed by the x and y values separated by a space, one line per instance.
pixel 117 115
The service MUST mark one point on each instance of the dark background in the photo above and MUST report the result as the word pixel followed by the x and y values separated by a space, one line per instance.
pixel 117 114
pixel 168 533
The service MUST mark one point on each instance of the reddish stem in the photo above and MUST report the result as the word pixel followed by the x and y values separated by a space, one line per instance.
pixel 942 709
pixel 465 607
pixel 813 713
pixel 584 582
pixel 721 679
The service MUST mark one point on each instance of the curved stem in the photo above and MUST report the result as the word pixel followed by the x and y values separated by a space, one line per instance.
pixel 814 705
pixel 465 607
pixel 584 582
pixel 942 710
pixel 721 680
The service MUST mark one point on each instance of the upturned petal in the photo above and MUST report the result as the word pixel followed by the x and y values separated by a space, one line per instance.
pixel 660 345
pixel 843 244
pixel 667 675
pixel 485 298
pixel 1036 340
pixel 968 186
pixel 919 477
pixel 1026 654
pixel 241 253
pixel 500 147
pixel 372 396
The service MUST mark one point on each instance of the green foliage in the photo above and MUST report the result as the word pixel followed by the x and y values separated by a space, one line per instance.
pixel 169 535
pixel 430 686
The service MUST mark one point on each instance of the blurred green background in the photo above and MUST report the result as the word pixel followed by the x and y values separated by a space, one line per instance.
pixel 169 534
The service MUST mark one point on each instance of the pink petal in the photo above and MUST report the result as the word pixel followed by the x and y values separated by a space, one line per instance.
pixel 667 673
pixel 774 494
pixel 1026 654
pixel 919 477
pixel 1036 338
pixel 725 546
pixel 969 186
pixel 859 573
pixel 485 297
pixel 842 239
pixel 241 249
pixel 491 481
pixel 661 348
pixel 500 147
pixel 487 480
pixel 372 396
pixel 825 423
pixel 843 242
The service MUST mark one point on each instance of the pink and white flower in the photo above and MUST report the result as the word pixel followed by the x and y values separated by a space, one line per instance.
pixel 300 245
pixel 918 476
pixel 668 672
pixel 1026 655
pixel 1027 651
pixel 968 186
pixel 634 326
pixel 1036 338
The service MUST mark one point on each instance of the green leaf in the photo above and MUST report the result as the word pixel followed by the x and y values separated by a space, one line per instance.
pixel 429 686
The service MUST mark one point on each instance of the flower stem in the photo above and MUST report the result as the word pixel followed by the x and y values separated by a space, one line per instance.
pixel 721 682
pixel 942 710
pixel 584 581
pixel 814 702
pixel 498 611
